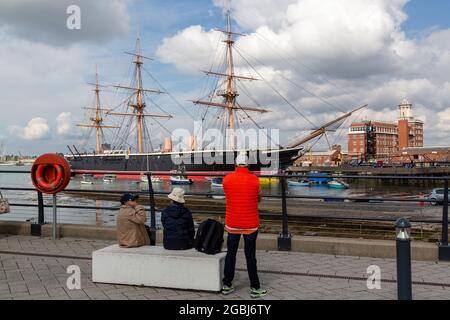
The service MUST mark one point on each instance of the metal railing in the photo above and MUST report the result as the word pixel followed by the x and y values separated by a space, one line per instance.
pixel 285 236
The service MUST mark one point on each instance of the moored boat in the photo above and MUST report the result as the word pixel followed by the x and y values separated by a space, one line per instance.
pixel 267 181
pixel 180 180
pixel 319 178
pixel 109 178
pixel 299 183
pixel 337 184
pixel 87 178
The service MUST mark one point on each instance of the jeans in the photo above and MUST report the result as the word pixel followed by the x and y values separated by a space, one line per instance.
pixel 250 256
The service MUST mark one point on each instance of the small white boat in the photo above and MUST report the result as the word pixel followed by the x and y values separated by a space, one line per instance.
pixel 337 185
pixel 299 183
pixel 87 178
pixel 180 180
pixel 109 178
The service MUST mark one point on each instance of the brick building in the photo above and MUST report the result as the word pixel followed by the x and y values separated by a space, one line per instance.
pixel 381 140
pixel 332 157
pixel 372 139
pixel 423 155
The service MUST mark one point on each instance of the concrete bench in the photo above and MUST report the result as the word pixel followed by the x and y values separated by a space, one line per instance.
pixel 153 266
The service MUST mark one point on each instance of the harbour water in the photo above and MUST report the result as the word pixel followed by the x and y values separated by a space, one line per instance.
pixel 107 217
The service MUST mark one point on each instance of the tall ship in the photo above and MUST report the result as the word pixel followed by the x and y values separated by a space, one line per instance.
pixel 132 153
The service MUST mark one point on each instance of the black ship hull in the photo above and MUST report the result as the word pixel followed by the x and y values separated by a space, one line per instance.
pixel 195 162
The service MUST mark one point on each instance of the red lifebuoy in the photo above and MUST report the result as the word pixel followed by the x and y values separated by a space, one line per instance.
pixel 50 173
pixel 42 176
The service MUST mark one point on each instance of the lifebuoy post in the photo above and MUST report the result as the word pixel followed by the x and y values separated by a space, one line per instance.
pixel 51 174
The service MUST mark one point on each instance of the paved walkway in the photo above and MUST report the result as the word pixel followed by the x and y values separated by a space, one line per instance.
pixel 35 268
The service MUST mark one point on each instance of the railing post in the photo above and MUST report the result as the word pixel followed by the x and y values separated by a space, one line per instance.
pixel 151 195
pixel 36 227
pixel 55 223
pixel 284 239
pixel 444 249
pixel 41 216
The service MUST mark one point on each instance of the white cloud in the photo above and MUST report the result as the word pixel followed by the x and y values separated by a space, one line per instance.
pixel 64 124
pixel 351 38
pixel 347 52
pixel 443 120
pixel 45 67
pixel 190 50
pixel 36 129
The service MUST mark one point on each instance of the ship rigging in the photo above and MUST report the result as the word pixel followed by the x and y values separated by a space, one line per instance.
pixel 144 158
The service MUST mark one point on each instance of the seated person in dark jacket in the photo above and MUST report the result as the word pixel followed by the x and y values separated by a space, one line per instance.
pixel 178 224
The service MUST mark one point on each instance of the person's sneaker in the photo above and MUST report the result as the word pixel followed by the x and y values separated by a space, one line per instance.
pixel 257 293
pixel 226 290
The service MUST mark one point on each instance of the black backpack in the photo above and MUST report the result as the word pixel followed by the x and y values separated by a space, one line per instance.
pixel 209 237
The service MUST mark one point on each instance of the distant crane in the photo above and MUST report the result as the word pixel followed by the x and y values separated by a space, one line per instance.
pixel 2 151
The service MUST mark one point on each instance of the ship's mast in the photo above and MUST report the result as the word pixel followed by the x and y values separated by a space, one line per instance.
pixel 97 121
pixel 138 92
pixel 139 107
pixel 230 94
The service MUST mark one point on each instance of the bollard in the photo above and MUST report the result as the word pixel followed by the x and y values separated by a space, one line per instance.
pixel 285 238
pixel 444 249
pixel 404 279
pixel 151 194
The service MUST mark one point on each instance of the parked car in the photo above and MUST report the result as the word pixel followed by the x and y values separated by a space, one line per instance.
pixel 436 196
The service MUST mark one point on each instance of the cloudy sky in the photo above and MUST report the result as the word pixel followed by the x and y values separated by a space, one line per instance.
pixel 323 56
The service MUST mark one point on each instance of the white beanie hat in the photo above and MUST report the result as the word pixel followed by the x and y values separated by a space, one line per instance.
pixel 241 160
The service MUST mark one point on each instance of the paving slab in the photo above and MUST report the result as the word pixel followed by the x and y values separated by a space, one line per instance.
pixel 26 274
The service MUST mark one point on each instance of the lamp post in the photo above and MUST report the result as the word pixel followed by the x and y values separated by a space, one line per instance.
pixel 403 244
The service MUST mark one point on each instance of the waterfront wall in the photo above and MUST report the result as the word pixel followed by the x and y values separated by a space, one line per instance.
pixel 424 251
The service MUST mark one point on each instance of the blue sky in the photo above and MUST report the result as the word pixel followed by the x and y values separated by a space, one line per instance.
pixel 161 19
pixel 426 14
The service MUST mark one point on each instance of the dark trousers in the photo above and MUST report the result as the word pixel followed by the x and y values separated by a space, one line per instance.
pixel 250 256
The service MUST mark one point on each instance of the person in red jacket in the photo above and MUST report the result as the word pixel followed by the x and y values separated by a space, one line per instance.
pixel 242 192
